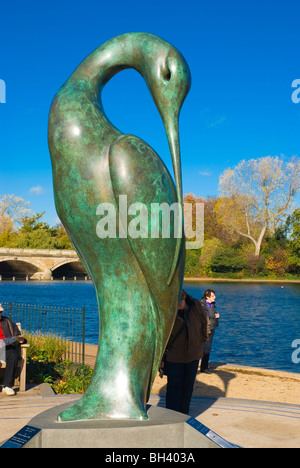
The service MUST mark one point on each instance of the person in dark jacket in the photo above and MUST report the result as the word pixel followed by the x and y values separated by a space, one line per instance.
pixel 8 332
pixel 185 348
pixel 208 303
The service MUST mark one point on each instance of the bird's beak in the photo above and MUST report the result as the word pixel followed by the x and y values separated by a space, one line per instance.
pixel 172 131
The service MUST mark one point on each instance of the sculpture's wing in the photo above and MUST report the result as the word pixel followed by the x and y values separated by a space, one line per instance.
pixel 138 173
pixel 139 177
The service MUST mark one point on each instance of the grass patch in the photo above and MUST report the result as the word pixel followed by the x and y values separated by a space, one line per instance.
pixel 46 347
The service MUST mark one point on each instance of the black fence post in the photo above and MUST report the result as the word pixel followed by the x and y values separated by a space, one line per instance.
pixel 54 321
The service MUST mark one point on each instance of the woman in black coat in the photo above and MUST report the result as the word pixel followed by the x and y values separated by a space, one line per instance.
pixel 185 348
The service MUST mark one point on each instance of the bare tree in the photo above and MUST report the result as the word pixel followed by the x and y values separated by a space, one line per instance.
pixel 12 210
pixel 256 195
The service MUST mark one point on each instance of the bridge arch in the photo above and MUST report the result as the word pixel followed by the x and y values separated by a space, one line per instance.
pixel 69 269
pixel 40 264
pixel 18 268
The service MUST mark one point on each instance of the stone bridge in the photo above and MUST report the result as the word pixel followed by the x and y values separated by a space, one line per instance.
pixel 43 264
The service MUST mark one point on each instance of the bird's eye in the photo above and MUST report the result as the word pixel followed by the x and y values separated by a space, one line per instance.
pixel 167 74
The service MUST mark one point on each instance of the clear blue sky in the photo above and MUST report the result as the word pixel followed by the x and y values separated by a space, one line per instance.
pixel 243 57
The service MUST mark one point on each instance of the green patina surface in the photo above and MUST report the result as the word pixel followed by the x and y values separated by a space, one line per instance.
pixel 137 281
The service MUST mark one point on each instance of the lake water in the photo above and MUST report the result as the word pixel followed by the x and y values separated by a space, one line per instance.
pixel 258 324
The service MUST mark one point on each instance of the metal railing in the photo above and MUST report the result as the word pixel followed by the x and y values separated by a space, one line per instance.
pixel 67 324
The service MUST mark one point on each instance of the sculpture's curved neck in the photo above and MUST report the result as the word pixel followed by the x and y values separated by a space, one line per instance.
pixel 115 55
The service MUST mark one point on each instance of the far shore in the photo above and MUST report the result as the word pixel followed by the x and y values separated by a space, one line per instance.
pixel 192 280
pixel 242 280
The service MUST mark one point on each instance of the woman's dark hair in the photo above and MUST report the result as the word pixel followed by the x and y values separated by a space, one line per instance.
pixel 209 292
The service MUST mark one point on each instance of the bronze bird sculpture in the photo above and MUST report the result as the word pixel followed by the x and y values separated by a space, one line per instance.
pixel 137 278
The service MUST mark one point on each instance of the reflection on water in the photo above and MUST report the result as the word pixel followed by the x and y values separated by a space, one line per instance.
pixel 259 321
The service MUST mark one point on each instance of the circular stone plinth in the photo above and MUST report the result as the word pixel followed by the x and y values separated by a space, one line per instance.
pixel 163 429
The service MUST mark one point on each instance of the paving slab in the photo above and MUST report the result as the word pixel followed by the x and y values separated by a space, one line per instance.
pixel 246 423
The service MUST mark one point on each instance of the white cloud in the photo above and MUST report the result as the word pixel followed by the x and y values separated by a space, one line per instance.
pixel 217 122
pixel 205 173
pixel 38 190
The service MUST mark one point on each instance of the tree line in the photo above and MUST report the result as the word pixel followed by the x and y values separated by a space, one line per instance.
pixel 229 255
pixel 252 229
pixel 20 228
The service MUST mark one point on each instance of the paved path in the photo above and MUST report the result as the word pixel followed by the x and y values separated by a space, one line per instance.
pixel 246 423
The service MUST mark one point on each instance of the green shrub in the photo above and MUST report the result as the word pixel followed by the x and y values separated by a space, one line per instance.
pixel 74 378
pixel 192 263
pixel 256 265
pixel 226 261
pixel 64 377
